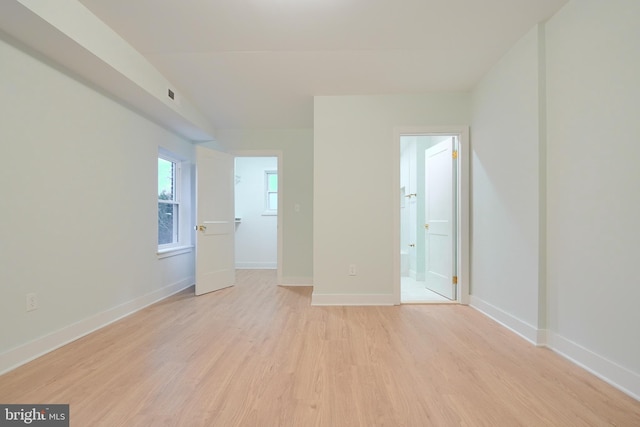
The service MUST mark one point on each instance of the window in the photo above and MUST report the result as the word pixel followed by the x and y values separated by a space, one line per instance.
pixel 271 192
pixel 168 202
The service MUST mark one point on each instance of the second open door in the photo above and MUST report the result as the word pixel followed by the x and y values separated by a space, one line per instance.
pixel 215 262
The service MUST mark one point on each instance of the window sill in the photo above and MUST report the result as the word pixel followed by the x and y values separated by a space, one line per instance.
pixel 270 213
pixel 178 250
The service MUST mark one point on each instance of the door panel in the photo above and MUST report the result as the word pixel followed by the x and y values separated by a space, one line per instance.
pixel 215 263
pixel 439 219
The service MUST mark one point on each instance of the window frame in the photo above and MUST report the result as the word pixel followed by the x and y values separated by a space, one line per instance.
pixel 267 208
pixel 176 201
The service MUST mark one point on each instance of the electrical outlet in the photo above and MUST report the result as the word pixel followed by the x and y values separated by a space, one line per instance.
pixel 32 302
pixel 352 270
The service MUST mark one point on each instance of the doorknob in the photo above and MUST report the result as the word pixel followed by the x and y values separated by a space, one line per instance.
pixel 201 227
pixel 426 226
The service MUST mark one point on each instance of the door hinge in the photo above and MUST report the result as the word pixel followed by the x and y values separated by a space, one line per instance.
pixel 454 154
pixel 455 280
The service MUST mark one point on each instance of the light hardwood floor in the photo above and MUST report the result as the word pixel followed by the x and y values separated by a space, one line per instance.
pixel 260 355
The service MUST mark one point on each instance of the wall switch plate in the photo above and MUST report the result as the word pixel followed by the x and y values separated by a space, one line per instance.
pixel 32 301
pixel 352 270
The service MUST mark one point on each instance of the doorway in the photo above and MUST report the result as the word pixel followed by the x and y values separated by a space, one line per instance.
pixel 258 206
pixel 432 218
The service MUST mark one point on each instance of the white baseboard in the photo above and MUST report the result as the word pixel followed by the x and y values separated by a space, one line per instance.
pixel 617 376
pixel 18 356
pixel 256 265
pixel 296 281
pixel 525 330
pixel 352 299
pixel 610 372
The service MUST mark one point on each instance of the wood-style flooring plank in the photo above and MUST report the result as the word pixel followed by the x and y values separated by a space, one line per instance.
pixel 258 354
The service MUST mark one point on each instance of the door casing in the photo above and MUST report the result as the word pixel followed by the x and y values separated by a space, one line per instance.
pixel 281 190
pixel 462 202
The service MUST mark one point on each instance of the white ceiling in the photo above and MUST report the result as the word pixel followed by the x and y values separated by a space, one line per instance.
pixel 258 63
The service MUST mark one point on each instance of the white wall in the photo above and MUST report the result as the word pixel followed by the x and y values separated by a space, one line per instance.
pixel 256 233
pixel 354 197
pixel 555 188
pixel 505 141
pixel 78 219
pixel 296 182
pixel 593 67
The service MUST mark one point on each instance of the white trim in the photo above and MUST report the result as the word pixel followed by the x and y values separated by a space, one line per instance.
pixel 281 193
pixel 169 252
pixel 18 356
pixel 395 218
pixel 520 327
pixel 352 299
pixel 464 152
pixel 297 281
pixel 256 265
pixel 610 372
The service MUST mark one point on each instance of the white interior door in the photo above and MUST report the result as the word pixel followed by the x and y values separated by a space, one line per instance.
pixel 215 263
pixel 439 219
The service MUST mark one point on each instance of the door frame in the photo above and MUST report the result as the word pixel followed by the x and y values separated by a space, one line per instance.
pixel 462 202
pixel 279 234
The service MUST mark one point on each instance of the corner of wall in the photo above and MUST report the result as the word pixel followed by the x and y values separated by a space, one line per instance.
pixel 607 370
pixel 509 321
pixel 542 178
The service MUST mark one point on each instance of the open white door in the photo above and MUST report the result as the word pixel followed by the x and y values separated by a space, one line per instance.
pixel 215 252
pixel 439 219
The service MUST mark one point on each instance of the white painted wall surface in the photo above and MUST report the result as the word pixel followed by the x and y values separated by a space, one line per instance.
pixel 594 181
pixel 505 177
pixel 79 212
pixel 565 122
pixel 296 180
pixel 256 233
pixel 354 198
